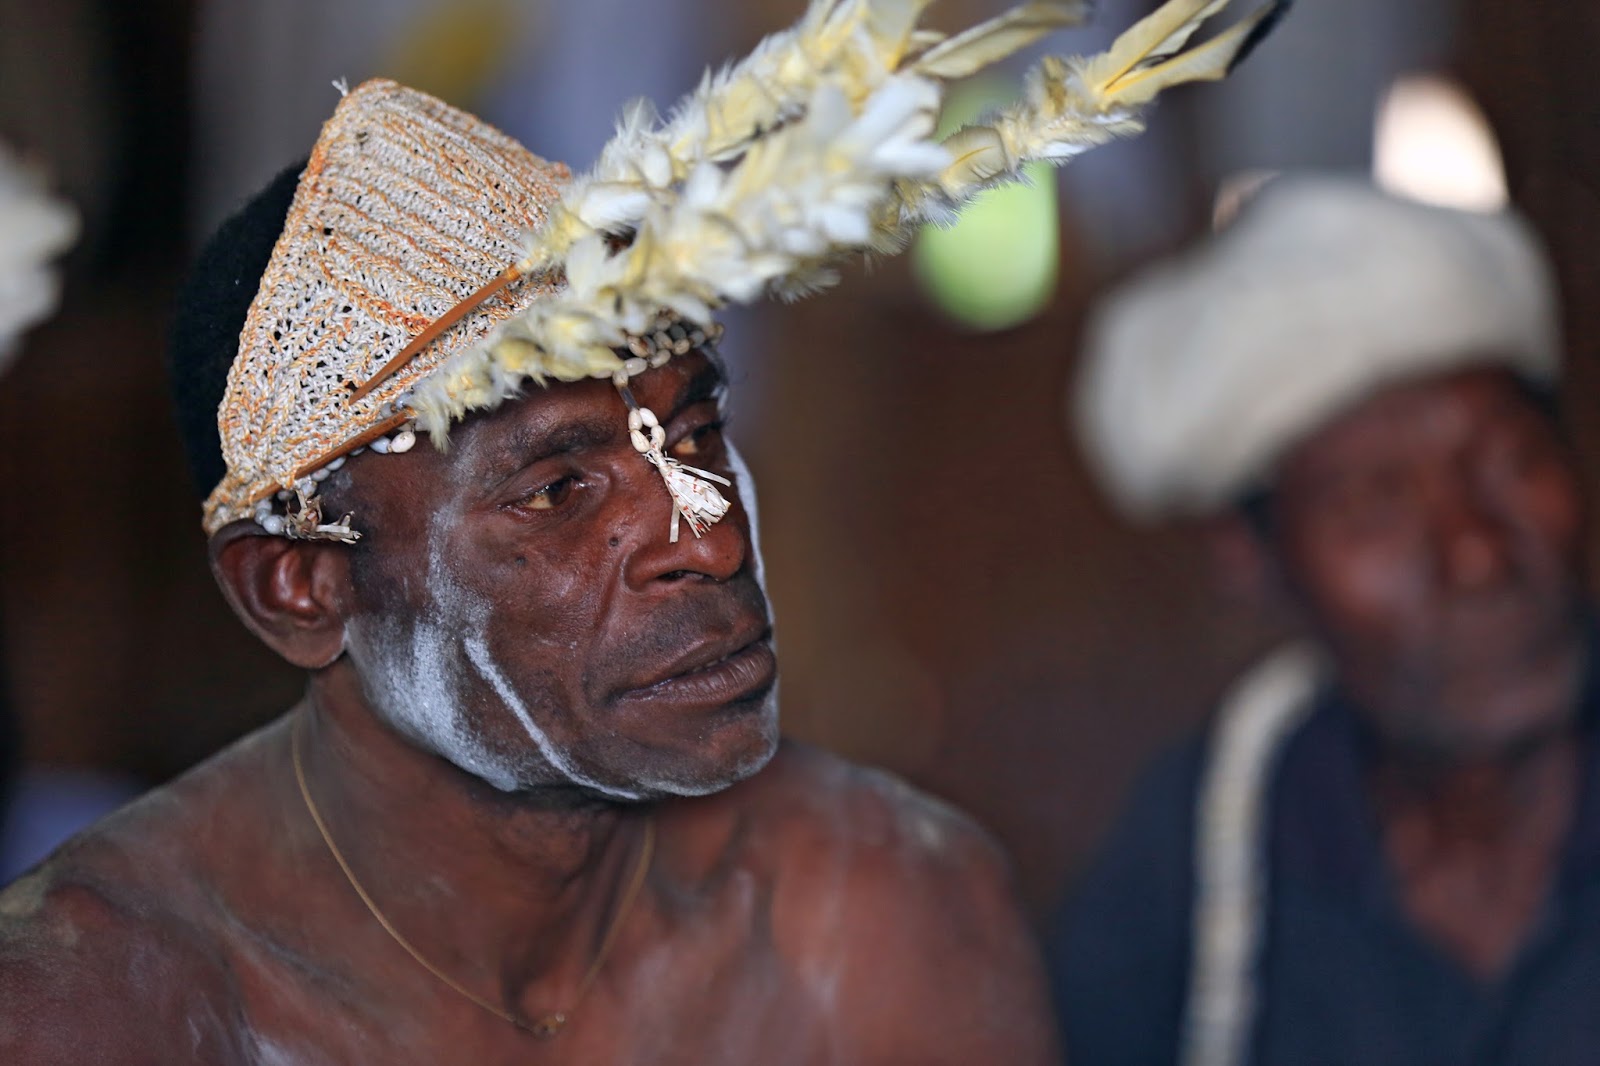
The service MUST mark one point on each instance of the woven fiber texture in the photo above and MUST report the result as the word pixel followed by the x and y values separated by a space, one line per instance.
pixel 406 207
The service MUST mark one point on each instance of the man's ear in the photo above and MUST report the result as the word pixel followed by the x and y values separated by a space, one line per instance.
pixel 1242 562
pixel 290 593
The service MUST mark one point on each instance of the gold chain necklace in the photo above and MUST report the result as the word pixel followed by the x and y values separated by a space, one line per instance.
pixel 547 1025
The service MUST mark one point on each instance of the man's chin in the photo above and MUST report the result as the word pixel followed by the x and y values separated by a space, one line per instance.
pixel 736 749
pixel 1482 731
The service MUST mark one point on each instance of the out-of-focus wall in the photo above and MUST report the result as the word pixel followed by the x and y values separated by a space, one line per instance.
pixel 115 639
pixel 1532 65
pixel 953 599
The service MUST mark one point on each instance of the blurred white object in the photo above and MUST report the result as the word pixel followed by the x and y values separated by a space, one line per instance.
pixel 34 229
pixel 1433 144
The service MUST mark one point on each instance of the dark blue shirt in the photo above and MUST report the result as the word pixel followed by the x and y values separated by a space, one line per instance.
pixel 1344 978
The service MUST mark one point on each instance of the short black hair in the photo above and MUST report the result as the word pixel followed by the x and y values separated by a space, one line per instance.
pixel 210 314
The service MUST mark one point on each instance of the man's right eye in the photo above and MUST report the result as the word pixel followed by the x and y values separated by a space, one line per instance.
pixel 548 498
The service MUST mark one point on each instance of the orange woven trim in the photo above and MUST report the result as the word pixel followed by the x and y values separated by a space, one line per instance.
pixel 510 275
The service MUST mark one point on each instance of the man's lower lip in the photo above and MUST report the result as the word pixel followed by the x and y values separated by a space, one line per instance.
pixel 737 677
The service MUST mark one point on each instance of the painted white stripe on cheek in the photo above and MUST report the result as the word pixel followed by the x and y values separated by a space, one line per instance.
pixel 745 485
pixel 478 654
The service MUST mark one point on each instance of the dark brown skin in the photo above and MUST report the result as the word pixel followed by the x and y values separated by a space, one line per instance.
pixel 1433 537
pixel 804 912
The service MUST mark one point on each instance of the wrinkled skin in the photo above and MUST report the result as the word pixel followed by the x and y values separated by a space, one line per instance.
pixel 800 911
pixel 1433 538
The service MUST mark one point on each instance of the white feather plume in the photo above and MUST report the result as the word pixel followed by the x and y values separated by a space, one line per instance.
pixel 730 235
pixel 852 45
pixel 817 146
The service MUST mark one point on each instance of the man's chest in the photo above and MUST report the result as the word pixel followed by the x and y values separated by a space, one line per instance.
pixel 693 1017
pixel 702 992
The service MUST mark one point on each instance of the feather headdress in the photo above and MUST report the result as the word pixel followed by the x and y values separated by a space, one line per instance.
pixel 817 146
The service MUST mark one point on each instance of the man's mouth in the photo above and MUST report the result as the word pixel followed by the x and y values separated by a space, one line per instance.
pixel 714 674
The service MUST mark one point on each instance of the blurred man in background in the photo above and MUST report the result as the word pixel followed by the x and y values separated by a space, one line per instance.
pixel 1386 847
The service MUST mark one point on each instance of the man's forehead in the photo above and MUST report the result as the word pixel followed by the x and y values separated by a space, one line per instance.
pixel 565 416
pixel 1392 422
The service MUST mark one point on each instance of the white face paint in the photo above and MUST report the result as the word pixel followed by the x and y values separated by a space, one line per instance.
pixel 416 679
pixel 559 760
pixel 745 486
pixel 419 674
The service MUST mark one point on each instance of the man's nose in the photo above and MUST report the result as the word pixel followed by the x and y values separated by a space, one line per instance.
pixel 718 553
pixel 1472 539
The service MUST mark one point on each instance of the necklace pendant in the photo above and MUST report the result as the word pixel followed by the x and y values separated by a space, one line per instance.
pixel 549 1025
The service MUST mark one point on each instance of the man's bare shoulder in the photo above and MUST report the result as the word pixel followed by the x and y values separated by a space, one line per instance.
pixel 842 845
pixel 899 908
pixel 826 810
pixel 87 976
pixel 109 939
pixel 867 845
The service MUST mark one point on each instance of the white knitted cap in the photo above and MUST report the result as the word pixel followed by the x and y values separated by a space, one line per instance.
pixel 1200 374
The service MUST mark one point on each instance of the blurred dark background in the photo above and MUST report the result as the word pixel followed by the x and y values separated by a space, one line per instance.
pixel 954 599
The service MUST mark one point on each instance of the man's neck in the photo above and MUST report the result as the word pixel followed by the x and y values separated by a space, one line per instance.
pixel 1475 845
pixel 502 891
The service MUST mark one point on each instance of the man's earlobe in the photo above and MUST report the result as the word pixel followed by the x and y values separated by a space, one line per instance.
pixel 292 594
pixel 1241 562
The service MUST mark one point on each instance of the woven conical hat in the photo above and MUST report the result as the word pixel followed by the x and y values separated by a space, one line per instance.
pixel 406 207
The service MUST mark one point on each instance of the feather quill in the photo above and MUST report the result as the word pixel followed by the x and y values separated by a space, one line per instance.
pixel 969 52
pixel 1164 68
pixel 1161 33
pixel 1071 105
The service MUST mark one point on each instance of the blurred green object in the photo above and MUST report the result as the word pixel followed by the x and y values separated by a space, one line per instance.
pixel 997 266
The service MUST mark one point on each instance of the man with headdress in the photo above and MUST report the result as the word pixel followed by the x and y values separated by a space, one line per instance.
pixel 535 791
pixel 452 847
pixel 1386 846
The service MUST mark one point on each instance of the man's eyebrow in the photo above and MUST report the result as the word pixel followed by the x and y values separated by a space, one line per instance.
pixel 708 383
pixel 532 443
